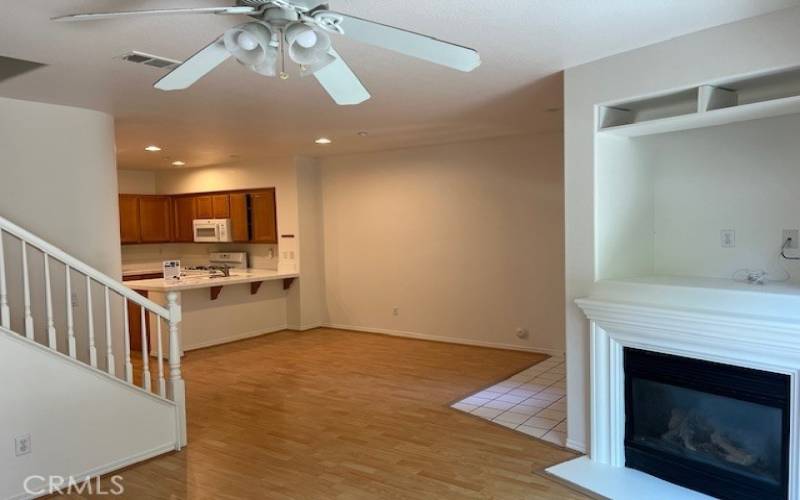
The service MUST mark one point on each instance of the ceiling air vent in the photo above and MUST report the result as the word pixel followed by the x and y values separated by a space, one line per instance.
pixel 150 60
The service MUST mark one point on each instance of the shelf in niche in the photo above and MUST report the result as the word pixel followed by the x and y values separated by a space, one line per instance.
pixel 774 93
pixel 724 116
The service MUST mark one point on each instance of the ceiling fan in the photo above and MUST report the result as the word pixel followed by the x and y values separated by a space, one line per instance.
pixel 302 29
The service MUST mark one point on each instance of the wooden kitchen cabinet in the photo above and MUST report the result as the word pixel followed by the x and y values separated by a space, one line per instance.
pixel 204 207
pixel 263 220
pixel 183 219
pixel 221 208
pixel 240 225
pixel 155 219
pixel 163 219
pixel 129 218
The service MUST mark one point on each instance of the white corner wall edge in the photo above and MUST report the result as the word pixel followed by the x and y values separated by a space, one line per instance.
pixel 74 415
pixel 619 483
pixel 447 340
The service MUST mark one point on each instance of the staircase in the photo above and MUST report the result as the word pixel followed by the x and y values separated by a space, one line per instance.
pixel 68 375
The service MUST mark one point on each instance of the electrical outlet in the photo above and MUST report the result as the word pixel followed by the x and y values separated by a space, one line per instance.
pixel 727 238
pixel 395 311
pixel 22 445
pixel 794 234
pixel 523 333
pixel 74 300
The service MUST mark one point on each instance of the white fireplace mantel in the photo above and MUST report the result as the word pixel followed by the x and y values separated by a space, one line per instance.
pixel 724 321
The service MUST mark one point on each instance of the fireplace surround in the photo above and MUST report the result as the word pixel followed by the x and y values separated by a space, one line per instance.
pixel 739 327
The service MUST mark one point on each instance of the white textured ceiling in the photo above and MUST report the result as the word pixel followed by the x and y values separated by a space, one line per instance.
pixel 235 116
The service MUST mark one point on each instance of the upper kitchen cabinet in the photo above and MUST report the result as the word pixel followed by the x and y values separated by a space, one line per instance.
pixel 263 219
pixel 204 207
pixel 155 219
pixel 129 219
pixel 240 226
pixel 184 210
pixel 163 219
pixel 220 206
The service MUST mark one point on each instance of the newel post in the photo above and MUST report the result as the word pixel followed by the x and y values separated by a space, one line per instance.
pixel 176 388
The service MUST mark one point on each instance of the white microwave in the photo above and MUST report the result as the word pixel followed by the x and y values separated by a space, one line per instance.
pixel 212 230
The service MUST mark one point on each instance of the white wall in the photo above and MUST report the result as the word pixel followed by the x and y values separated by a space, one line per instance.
pixel 465 239
pixel 79 421
pixel 58 178
pixel 752 45
pixel 743 177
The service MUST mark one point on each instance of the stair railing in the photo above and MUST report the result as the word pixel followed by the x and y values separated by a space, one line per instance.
pixel 169 385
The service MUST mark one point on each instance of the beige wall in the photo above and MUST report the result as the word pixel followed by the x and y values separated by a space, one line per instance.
pixel 137 182
pixel 465 239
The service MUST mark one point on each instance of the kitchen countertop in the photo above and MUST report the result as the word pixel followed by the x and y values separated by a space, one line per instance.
pixel 238 277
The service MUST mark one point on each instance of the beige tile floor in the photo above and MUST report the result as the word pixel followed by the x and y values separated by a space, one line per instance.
pixel 532 402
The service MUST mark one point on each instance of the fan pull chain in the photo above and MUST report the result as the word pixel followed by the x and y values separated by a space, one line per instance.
pixel 283 75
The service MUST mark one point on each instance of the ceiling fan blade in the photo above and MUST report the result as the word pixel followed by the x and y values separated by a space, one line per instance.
pixel 410 43
pixel 341 83
pixel 195 68
pixel 197 10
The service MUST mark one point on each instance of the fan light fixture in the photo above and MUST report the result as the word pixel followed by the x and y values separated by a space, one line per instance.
pixel 152 148
pixel 298 30
pixel 252 45
pixel 308 46
pixel 323 141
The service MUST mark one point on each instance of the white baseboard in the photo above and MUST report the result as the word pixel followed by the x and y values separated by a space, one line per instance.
pixel 448 340
pixel 109 467
pixel 578 446
pixel 234 338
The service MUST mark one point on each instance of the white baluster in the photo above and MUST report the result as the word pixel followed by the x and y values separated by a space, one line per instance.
pixel 90 323
pixel 51 327
pixel 5 310
pixel 110 361
pixel 71 344
pixel 162 388
pixel 26 285
pixel 128 363
pixel 145 355
pixel 176 389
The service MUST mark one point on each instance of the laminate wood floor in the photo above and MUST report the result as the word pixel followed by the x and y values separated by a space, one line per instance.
pixel 330 414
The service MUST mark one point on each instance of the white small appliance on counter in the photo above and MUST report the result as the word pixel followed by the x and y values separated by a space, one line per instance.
pixel 212 230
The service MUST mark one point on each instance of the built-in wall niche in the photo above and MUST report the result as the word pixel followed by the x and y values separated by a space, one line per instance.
pixel 712 104
pixel 662 200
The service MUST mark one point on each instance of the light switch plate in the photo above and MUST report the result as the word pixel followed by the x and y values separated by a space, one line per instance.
pixel 727 238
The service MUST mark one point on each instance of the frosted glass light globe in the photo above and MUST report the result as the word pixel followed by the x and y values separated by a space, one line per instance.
pixel 246 41
pixel 307 39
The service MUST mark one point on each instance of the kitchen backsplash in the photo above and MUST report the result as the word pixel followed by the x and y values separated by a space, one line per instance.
pixel 150 257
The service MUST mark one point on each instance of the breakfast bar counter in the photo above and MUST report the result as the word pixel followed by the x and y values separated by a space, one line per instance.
pixel 218 309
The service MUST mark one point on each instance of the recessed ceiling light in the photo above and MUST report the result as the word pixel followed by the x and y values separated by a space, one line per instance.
pixel 152 148
pixel 323 141
pixel 178 163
